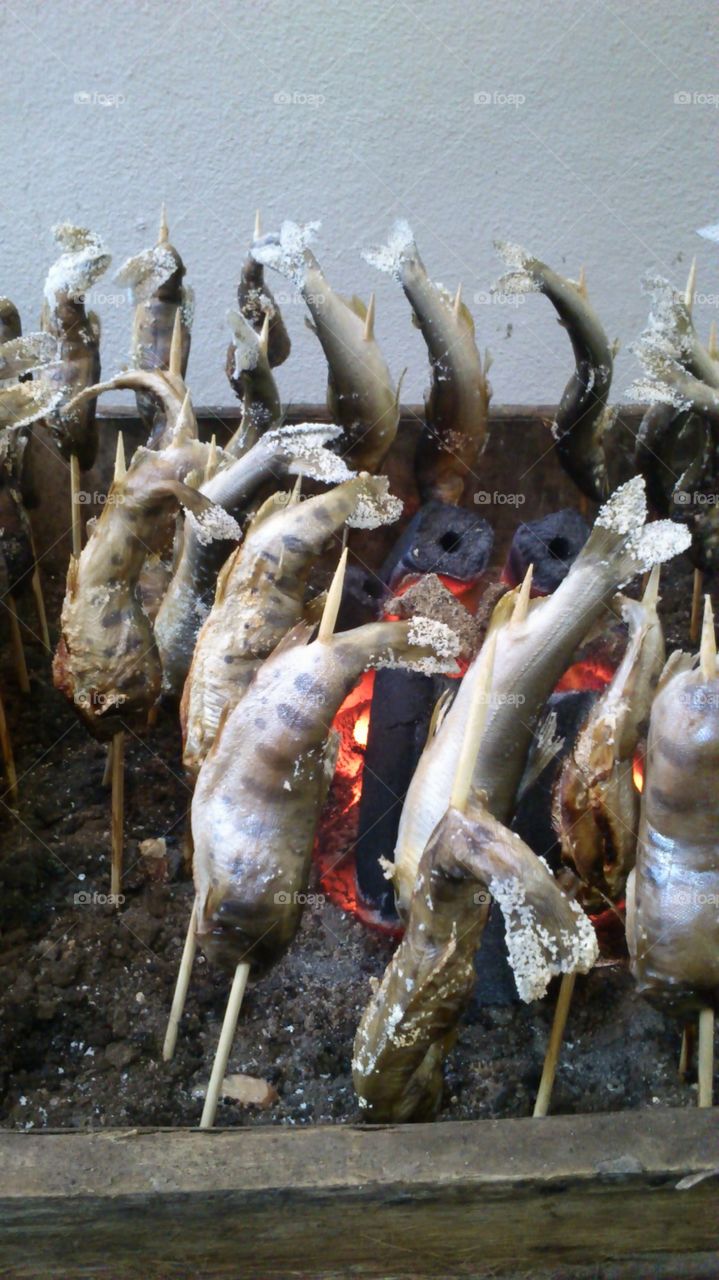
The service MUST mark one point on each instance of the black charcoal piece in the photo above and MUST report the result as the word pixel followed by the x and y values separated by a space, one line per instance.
pixel 363 597
pixel 441 538
pixel 551 545
pixel 402 707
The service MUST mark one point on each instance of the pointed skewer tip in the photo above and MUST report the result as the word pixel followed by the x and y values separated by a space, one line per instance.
pixel 332 603
pixel 369 319
pixel 521 607
pixel 164 232
pixel 120 467
pixel 708 648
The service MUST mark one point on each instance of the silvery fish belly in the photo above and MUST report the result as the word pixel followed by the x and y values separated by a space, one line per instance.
pixel 673 894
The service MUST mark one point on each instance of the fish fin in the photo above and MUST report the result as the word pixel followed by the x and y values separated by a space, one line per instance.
pixel 310 324
pixel 522 276
pixel 439 711
pixel 314 608
pixel 375 505
pixel 276 502
pixel 287 250
pixel 678 661
pixel 622 535
pixel 224 576
pixel 300 634
pixel 392 256
pixel 355 304
pixel 546 748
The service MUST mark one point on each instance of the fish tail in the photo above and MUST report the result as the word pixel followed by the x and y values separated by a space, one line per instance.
pixel 525 272
pixel 624 542
pixel 287 250
pixel 393 256
pixel 374 504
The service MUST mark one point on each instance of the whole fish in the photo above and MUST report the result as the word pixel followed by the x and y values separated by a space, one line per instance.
pixel 412 1019
pixel 260 597
pixel 77 331
pixel 161 299
pixel 583 415
pixel 250 376
pixel 673 892
pixel 261 788
pixel 457 404
pixel 360 395
pixel 289 451
pixel 258 306
pixel 532 655
pixel 107 661
pixel 164 388
pixel 596 804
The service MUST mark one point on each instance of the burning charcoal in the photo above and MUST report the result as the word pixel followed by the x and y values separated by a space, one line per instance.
pixel 551 544
pixel 402 708
pixel 362 598
pixel 430 596
pixel 441 539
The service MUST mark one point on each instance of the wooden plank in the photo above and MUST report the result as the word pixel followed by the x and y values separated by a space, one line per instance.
pixel 464 1199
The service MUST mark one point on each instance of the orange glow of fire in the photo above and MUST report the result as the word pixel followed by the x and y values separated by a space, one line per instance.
pixel 638 772
pixel 360 733
pixel 586 675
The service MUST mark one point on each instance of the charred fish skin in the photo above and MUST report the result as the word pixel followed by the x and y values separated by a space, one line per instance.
pixel 412 1019
pixel 260 597
pixel 260 790
pixel 361 396
pixel 596 804
pixel 673 893
pixel 83 260
pixel 532 655
pixel 457 404
pixel 155 278
pixel 107 661
pixel 257 304
pixel 288 451
pixel 583 414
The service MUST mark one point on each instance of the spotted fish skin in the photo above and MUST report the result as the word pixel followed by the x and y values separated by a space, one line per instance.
pixel 260 596
pixel 673 892
pixel 261 788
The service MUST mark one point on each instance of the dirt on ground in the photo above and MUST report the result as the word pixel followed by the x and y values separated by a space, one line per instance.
pixel 85 988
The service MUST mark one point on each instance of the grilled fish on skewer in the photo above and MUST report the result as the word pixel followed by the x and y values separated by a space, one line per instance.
pixel 673 892
pixel 161 300
pixel 532 656
pixel 583 415
pixel 296 450
pixel 596 804
pixel 107 661
pixel 260 790
pixel 82 262
pixel 411 1021
pixel 260 595
pixel 360 394
pixel 457 403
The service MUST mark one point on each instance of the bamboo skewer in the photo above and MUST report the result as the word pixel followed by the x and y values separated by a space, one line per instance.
pixel 696 605
pixel 181 987
pixel 227 1035
pixel 549 1070
pixel 39 597
pixel 17 647
pixel 107 774
pixel 705 1058
pixel 75 505
pixel 118 812
pixel 7 755
pixel 333 601
pixel 687 1051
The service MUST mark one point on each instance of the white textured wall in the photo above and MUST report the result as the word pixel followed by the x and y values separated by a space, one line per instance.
pixel 595 163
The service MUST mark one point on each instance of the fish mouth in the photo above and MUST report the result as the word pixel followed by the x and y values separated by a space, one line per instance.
pixel 232 936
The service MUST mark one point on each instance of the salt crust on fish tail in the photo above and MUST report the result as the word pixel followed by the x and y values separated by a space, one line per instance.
pixel 146 272
pixel 246 344
pixel 519 279
pixel 389 257
pixel 536 955
pixel 284 250
pixel 305 443
pixel 426 633
pixel 625 514
pixel 375 507
pixel 83 260
pixel 214 524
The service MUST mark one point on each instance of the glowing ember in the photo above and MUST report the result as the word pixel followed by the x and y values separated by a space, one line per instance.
pixel 638 772
pixel 586 675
